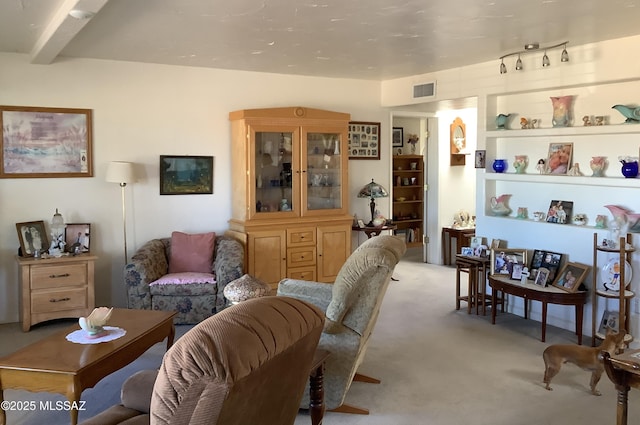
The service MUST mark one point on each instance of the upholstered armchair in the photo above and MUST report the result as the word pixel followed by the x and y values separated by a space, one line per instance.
pixel 246 365
pixel 202 266
pixel 351 305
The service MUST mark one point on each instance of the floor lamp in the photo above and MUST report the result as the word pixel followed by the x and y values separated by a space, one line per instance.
pixel 122 173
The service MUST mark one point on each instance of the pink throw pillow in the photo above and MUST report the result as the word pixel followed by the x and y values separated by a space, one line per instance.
pixel 191 253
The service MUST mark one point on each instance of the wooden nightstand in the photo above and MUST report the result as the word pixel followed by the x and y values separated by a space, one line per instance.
pixel 56 288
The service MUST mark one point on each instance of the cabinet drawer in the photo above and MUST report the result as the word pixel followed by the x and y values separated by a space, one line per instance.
pixel 55 276
pixel 66 299
pixel 301 236
pixel 304 256
pixel 302 273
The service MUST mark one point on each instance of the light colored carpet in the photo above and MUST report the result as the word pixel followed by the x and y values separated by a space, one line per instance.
pixel 437 366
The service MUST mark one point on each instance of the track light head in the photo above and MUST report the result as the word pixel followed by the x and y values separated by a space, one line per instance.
pixel 545 60
pixel 503 68
pixel 564 57
pixel 519 64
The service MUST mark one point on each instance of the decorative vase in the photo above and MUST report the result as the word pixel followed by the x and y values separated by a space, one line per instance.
pixel 499 165
pixel 501 121
pixel 598 164
pixel 520 163
pixel 629 168
pixel 499 205
pixel 413 148
pixel 561 111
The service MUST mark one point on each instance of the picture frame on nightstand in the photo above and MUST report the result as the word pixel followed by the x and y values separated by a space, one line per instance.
pixel 77 235
pixel 33 237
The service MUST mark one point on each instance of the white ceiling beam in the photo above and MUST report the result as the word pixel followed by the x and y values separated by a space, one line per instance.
pixel 62 29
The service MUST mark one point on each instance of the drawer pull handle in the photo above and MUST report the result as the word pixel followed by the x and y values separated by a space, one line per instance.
pixel 53 300
pixel 53 276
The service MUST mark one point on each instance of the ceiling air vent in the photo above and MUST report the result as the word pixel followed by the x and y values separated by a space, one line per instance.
pixel 424 90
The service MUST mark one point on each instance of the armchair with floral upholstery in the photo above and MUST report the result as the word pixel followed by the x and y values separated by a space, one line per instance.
pixel 194 295
pixel 351 305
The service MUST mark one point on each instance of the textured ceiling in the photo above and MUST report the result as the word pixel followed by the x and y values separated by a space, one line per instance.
pixel 362 39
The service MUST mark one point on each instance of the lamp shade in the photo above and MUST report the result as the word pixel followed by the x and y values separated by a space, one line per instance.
pixel 120 172
pixel 373 190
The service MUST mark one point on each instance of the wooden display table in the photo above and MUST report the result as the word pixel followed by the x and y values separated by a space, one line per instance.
pixel 56 288
pixel 546 295
pixel 624 372
pixel 462 236
pixel 477 269
pixel 56 365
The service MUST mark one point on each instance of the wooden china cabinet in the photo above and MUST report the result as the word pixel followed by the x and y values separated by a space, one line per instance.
pixel 290 201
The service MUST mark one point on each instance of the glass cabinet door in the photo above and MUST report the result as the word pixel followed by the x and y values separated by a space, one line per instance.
pixel 324 161
pixel 274 165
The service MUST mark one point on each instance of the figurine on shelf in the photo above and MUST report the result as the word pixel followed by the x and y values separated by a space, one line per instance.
pixel 575 170
pixel 524 123
pixel 601 221
pixel 599 120
pixel 586 121
pixel 541 166
pixel 580 219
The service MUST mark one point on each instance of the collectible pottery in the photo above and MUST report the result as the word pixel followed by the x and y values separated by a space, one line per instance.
pixel 632 114
pixel 629 167
pixel 499 165
pixel 601 221
pixel 499 205
pixel 520 163
pixel 598 164
pixel 538 216
pixel 501 121
pixel 561 111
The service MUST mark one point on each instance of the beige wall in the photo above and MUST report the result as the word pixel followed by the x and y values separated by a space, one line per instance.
pixel 141 111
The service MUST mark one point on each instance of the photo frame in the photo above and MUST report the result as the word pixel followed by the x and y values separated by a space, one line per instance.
pixel 40 142
pixel 502 260
pixel 467 251
pixel 610 320
pixel 560 212
pixel 571 276
pixel 397 137
pixel 186 175
pixel 542 277
pixel 32 236
pixel 547 259
pixel 364 140
pixel 481 158
pixel 77 235
pixel 476 241
pixel 516 271
pixel 559 158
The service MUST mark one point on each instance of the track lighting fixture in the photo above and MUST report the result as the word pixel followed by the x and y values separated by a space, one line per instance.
pixel 533 47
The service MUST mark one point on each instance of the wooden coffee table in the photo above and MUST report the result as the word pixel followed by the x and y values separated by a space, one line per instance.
pixel 60 366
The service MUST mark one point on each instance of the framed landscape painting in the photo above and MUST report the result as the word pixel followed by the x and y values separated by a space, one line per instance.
pixel 186 175
pixel 45 142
